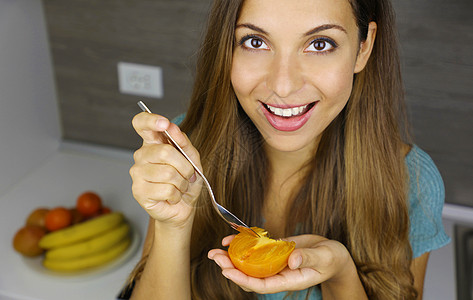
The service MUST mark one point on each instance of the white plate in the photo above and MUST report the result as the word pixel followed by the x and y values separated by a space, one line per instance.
pixel 36 265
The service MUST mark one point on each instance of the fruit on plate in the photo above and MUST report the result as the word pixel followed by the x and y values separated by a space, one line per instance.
pixel 259 256
pixel 89 204
pixel 88 261
pixel 58 218
pixel 90 246
pixel 38 217
pixel 26 240
pixel 82 231
pixel 72 239
pixel 77 217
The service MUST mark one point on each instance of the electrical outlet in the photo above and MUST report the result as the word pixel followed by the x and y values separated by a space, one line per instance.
pixel 140 80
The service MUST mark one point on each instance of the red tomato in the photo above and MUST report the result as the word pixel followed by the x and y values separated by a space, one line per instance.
pixel 89 204
pixel 58 218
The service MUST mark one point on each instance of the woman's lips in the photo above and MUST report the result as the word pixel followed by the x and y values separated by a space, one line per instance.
pixel 288 118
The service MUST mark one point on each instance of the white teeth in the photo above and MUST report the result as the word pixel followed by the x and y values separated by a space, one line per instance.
pixel 286 112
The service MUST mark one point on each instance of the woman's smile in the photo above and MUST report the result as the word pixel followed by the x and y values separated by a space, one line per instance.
pixel 288 117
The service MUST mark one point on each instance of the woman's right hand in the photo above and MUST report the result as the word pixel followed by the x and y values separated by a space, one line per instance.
pixel 164 182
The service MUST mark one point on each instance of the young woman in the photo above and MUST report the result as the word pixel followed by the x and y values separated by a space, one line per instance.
pixel 297 119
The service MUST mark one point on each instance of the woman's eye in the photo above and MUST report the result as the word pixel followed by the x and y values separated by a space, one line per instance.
pixel 255 43
pixel 321 45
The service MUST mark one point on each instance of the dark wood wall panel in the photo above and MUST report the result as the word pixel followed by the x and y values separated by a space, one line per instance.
pixel 436 39
pixel 89 37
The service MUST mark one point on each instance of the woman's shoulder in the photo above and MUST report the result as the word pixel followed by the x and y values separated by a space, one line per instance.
pixel 426 200
pixel 424 175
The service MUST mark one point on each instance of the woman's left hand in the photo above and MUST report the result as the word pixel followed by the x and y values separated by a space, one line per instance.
pixel 315 260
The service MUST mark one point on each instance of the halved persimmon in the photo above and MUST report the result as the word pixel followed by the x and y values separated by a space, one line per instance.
pixel 259 256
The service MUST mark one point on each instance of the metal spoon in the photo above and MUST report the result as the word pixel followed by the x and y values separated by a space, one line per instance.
pixel 227 216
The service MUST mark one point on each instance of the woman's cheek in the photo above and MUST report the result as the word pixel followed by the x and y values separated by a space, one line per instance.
pixel 248 71
pixel 337 85
pixel 241 81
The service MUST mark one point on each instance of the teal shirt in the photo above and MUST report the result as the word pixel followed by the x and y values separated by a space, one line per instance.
pixel 426 199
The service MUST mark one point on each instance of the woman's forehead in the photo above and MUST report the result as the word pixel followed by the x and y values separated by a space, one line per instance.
pixel 262 9
pixel 297 15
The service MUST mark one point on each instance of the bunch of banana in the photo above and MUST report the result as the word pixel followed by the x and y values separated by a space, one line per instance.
pixel 86 245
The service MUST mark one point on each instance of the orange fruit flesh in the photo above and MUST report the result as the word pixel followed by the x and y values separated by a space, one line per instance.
pixel 259 256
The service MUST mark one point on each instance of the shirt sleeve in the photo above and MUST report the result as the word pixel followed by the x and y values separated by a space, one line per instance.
pixel 426 200
pixel 178 120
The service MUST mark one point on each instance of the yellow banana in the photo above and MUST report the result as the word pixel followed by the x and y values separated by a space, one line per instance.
pixel 90 261
pixel 96 244
pixel 81 231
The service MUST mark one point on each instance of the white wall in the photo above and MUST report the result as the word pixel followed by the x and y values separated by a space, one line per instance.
pixel 29 122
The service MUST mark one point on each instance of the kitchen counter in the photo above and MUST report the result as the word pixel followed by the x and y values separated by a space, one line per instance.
pixel 57 181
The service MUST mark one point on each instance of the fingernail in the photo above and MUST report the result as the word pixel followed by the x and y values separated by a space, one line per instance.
pixel 297 262
pixel 193 178
pixel 161 124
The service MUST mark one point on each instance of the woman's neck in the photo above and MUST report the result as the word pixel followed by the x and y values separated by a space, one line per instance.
pixel 287 172
pixel 286 165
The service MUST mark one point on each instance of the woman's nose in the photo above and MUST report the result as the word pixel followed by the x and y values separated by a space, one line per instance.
pixel 284 76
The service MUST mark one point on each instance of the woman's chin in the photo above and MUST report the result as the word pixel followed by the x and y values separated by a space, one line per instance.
pixel 290 144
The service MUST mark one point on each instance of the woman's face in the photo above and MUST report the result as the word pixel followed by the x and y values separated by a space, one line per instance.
pixel 293 67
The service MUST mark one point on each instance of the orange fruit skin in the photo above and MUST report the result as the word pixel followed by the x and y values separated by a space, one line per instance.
pixel 259 257
pixel 38 217
pixel 26 240
pixel 89 204
pixel 58 218
pixel 105 210
pixel 77 217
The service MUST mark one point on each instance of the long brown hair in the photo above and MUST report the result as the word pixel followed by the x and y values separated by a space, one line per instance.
pixel 355 190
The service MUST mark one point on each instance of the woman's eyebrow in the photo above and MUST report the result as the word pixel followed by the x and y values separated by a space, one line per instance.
pixel 252 27
pixel 310 32
pixel 324 27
